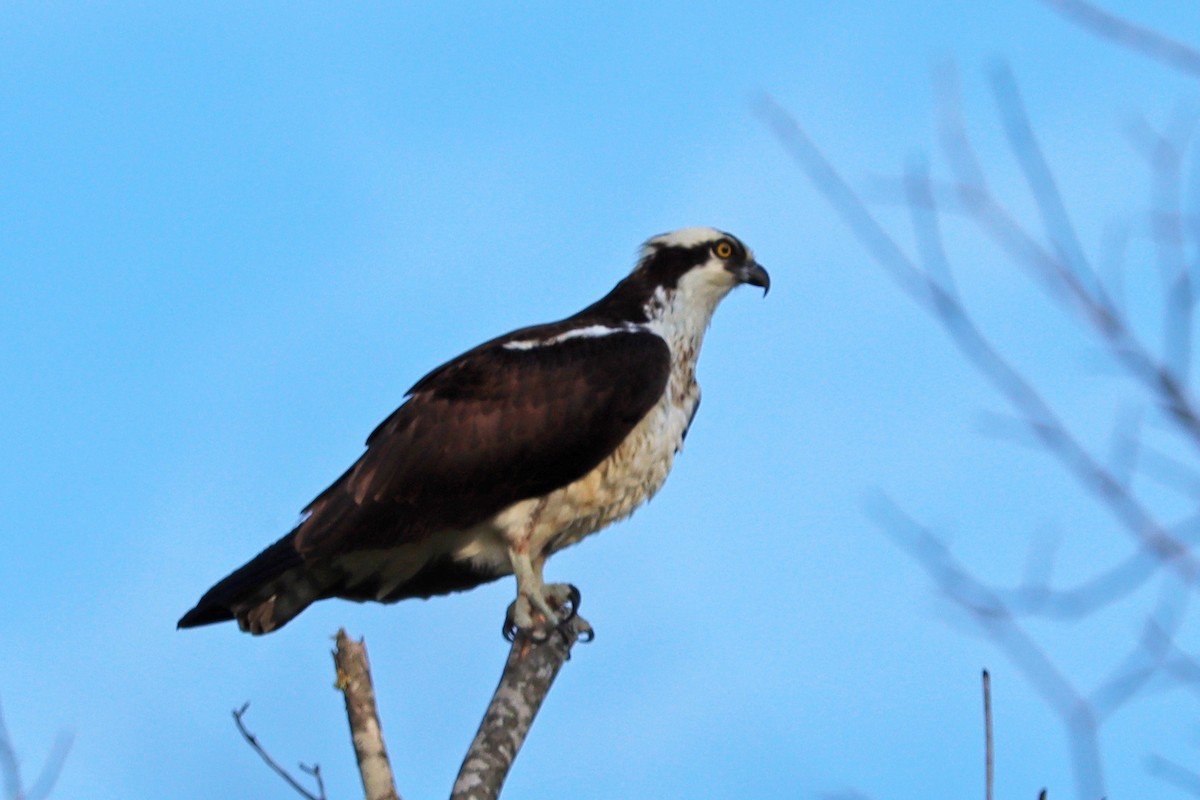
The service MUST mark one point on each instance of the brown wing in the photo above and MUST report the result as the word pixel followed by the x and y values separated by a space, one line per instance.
pixel 492 427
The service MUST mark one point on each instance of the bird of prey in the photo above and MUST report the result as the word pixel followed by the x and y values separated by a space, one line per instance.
pixel 508 453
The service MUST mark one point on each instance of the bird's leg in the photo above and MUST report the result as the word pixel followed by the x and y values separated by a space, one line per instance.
pixel 530 615
pixel 540 607
pixel 562 597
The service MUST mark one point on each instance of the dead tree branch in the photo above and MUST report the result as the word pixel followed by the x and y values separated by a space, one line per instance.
pixel 354 680
pixel 989 749
pixel 252 740
pixel 528 675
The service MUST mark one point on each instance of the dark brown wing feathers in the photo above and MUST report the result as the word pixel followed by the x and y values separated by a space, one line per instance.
pixel 486 430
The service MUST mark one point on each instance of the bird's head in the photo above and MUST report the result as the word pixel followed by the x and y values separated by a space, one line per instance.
pixel 680 278
pixel 701 261
pixel 697 267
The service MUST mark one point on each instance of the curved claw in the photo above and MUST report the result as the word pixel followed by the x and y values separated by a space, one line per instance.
pixel 578 627
pixel 570 607
pixel 561 603
pixel 586 635
pixel 512 630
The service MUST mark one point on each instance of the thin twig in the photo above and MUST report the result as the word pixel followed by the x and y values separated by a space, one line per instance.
pixel 252 740
pixel 315 771
pixel 989 759
pixel 354 680
pixel 528 675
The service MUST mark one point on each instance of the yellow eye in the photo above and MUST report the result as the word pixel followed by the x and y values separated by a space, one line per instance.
pixel 723 249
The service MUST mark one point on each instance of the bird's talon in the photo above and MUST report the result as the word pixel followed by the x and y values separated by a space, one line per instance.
pixel 536 622
pixel 572 603
pixel 577 627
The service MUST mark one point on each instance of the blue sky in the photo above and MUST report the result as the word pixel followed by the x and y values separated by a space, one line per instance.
pixel 232 235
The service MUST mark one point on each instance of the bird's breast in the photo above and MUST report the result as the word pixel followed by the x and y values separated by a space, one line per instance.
pixel 631 475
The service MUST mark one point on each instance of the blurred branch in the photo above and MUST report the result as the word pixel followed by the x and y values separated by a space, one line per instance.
pixel 528 675
pixel 1129 35
pixel 1071 280
pixel 10 767
pixel 940 299
pixel 1082 714
pixel 252 740
pixel 366 734
pixel 1063 270
pixel 1070 266
pixel 1165 154
pixel 1180 777
pixel 997 623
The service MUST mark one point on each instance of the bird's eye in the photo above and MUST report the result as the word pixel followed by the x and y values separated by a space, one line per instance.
pixel 723 249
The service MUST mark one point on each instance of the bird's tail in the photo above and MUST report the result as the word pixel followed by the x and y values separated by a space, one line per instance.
pixel 263 595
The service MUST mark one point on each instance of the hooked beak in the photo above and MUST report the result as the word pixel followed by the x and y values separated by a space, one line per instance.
pixel 752 273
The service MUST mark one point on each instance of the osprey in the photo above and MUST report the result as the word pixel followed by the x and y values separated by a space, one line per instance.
pixel 508 453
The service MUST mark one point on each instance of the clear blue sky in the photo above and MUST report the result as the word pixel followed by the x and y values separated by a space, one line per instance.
pixel 232 235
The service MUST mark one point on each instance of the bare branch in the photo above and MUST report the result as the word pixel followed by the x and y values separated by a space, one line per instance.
pixel 315 771
pixel 1147 657
pixel 1058 227
pixel 10 768
pixel 252 740
pixel 1036 413
pixel 1085 598
pixel 1125 446
pixel 989 758
pixel 354 680
pixel 864 226
pixel 995 621
pixel 528 675
pixel 1082 289
pixel 46 779
pixel 1180 777
pixel 1057 261
pixel 1129 35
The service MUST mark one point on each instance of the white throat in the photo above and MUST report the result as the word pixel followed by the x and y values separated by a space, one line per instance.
pixel 682 314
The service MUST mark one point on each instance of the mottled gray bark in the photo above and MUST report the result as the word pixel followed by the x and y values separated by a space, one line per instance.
pixel 528 675
pixel 354 679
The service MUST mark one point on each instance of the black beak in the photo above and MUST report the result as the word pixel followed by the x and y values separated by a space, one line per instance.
pixel 752 273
